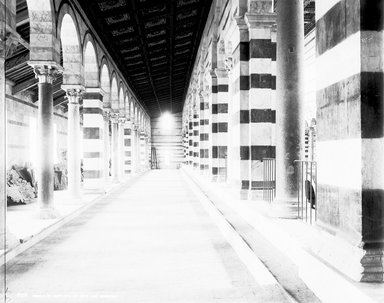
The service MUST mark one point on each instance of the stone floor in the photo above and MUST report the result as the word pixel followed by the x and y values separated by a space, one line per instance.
pixel 291 249
pixel 150 242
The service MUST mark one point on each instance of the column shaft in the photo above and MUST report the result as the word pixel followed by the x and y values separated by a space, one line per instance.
pixel 261 96
pixel 121 149
pixel 127 148
pixel 93 140
pixel 3 149
pixel 107 147
pixel 220 127
pixel 142 151
pixel 115 150
pixel 190 142
pixel 289 122
pixel 74 141
pixel 196 131
pixel 239 149
pixel 204 134
pixel 45 172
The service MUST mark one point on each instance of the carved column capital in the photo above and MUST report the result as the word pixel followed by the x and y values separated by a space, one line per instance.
pixel 74 93
pixel 114 117
pixel 46 72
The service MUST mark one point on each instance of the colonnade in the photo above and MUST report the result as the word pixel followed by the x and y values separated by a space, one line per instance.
pixel 101 108
pixel 239 122
pixel 105 149
pixel 248 82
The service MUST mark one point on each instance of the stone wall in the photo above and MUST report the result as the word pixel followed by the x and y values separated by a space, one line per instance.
pixel 22 132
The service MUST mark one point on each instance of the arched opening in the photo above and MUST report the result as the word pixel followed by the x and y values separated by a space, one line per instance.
pixel 91 70
pixel 121 102
pixel 114 95
pixel 72 56
pixel 105 84
pixel 126 105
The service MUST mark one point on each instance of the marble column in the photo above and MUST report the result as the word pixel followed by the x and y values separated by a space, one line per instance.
pixel 45 172
pixel 121 148
pixel 115 149
pixel 107 146
pixel 262 95
pixel 3 149
pixel 142 151
pixel 127 148
pixel 74 93
pixel 220 139
pixel 289 120
pixel 239 150
pixel 204 132
pixel 93 140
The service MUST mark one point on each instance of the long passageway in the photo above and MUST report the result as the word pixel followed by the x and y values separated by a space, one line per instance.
pixel 151 241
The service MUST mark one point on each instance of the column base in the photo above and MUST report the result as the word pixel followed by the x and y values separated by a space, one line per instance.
pixel 47 214
pixel 284 208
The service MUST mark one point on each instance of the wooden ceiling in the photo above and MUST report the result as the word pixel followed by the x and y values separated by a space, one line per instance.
pixel 154 43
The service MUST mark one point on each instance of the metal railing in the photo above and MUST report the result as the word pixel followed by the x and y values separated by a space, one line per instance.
pixel 269 179
pixel 306 190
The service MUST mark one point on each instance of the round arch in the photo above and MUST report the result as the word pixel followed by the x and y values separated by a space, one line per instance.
pixel 126 104
pixel 114 94
pixel 71 45
pixel 121 100
pixel 105 84
pixel 91 68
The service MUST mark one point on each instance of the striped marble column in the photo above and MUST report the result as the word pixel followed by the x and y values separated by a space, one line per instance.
pixel 121 148
pixel 134 163
pixel 142 151
pixel 262 53
pixel 185 144
pixel 220 121
pixel 93 139
pixel 212 115
pixel 107 146
pixel 74 95
pixel 127 148
pixel 239 177
pixel 204 133
pixel 350 126
pixel 190 142
pixel 115 148
pixel 196 131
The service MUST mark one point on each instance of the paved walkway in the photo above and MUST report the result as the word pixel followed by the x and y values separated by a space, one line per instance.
pixel 150 242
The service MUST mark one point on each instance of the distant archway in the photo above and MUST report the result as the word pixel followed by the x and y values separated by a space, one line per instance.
pixel 91 70
pixel 114 95
pixel 106 86
pixel 70 43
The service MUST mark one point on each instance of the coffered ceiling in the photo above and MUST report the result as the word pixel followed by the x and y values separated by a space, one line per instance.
pixel 154 44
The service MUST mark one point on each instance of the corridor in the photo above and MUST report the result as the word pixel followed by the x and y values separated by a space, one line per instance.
pixel 138 245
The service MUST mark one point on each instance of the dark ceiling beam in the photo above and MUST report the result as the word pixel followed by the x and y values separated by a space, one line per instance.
pixel 22 86
pixel 145 50
pixel 171 43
